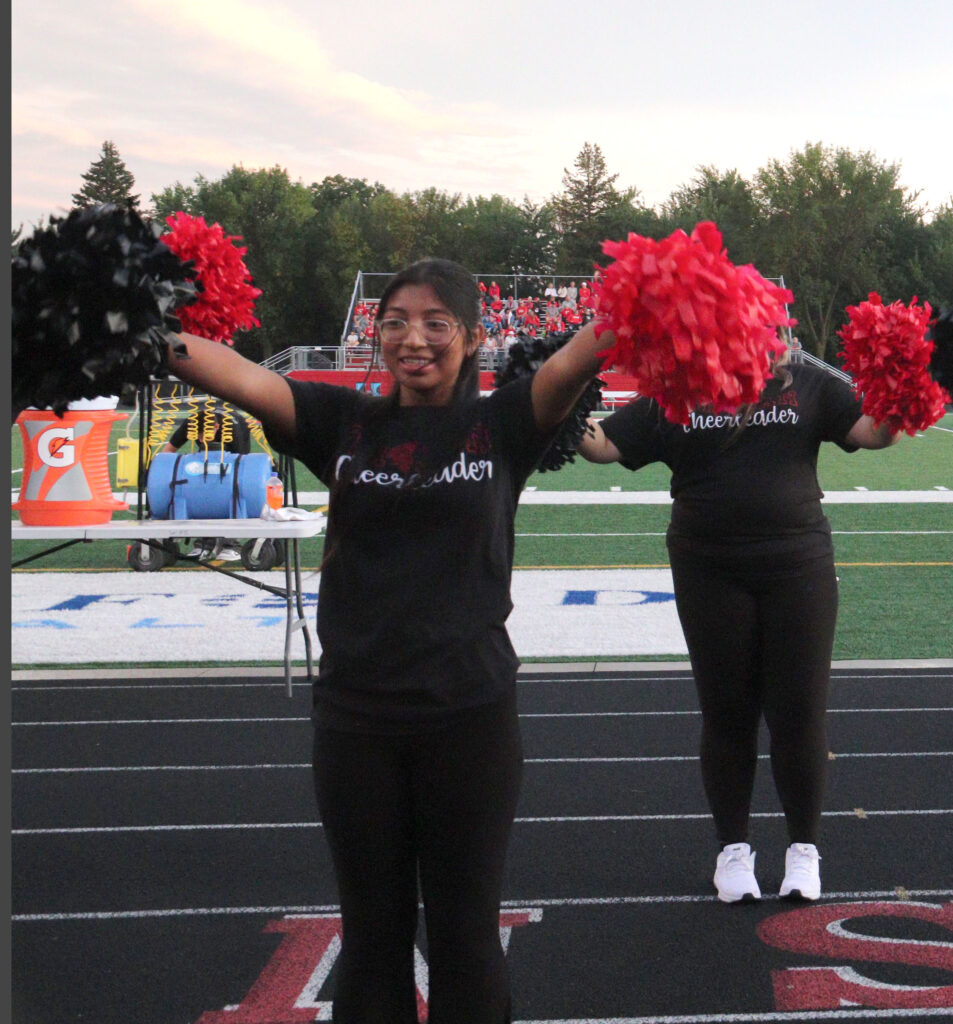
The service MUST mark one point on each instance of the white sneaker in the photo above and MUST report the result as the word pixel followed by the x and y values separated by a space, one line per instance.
pixel 205 549
pixel 734 874
pixel 802 873
pixel 229 555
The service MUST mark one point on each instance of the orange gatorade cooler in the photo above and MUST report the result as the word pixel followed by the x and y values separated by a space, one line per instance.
pixel 66 467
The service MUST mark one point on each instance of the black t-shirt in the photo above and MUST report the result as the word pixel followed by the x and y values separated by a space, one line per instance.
pixel 240 442
pixel 755 491
pixel 415 588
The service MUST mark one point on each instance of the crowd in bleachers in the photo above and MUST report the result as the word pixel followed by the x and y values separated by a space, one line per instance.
pixel 561 308
pixel 362 324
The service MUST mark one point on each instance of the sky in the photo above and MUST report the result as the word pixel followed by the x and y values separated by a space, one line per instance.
pixel 474 97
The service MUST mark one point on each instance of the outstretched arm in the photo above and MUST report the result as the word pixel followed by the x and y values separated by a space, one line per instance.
pixel 865 433
pixel 596 447
pixel 561 380
pixel 222 372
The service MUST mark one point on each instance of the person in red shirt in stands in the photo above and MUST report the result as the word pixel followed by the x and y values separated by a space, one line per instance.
pixel 520 314
pixel 494 290
pixel 585 295
pixel 572 318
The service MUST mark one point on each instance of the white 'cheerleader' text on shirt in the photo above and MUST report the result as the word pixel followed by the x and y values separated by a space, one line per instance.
pixel 461 469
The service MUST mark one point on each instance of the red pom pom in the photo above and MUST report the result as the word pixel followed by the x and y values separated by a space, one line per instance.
pixel 887 353
pixel 690 326
pixel 227 299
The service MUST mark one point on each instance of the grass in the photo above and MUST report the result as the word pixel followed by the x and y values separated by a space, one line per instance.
pixel 914 463
pixel 895 561
pixel 890 612
pixel 633 535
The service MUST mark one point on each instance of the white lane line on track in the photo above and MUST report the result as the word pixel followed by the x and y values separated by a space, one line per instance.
pixel 567 676
pixel 529 714
pixel 562 819
pixel 650 714
pixel 332 909
pixel 588 677
pixel 738 1018
pixel 173 721
pixel 306 765
pixel 79 686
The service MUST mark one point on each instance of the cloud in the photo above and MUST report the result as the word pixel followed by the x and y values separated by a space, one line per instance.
pixel 51 111
pixel 276 50
pixel 390 94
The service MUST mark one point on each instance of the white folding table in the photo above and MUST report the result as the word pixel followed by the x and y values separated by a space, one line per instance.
pixel 154 531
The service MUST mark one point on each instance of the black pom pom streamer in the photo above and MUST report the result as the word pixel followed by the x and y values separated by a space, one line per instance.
pixel 523 358
pixel 941 361
pixel 93 301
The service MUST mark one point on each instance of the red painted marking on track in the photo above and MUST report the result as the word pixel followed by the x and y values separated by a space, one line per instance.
pixel 819 931
pixel 273 997
pixel 286 991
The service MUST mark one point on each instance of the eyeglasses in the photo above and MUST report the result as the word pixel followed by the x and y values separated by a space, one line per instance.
pixel 436 333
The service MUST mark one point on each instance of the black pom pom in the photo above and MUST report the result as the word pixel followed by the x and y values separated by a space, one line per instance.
pixel 941 361
pixel 93 301
pixel 523 358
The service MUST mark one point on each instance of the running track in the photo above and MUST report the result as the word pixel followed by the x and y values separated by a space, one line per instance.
pixel 168 867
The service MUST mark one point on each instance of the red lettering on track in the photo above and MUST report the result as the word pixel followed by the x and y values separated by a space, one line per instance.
pixel 822 931
pixel 288 989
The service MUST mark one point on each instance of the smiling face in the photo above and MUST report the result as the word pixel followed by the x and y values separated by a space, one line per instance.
pixel 426 374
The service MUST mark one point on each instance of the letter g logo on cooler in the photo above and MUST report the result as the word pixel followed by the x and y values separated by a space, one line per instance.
pixel 55 447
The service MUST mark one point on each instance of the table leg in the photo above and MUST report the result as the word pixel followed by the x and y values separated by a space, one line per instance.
pixel 295 603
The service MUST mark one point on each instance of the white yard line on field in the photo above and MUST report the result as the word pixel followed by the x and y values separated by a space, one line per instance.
pixel 532 497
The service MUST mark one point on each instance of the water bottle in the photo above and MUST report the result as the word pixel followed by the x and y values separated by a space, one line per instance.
pixel 274 492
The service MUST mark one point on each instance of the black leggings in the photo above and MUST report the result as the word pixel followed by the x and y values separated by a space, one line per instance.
pixel 760 646
pixel 440 803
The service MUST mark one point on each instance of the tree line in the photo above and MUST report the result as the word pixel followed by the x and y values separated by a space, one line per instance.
pixel 835 224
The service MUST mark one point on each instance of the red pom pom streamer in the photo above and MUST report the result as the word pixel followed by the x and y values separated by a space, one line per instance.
pixel 887 353
pixel 227 299
pixel 690 326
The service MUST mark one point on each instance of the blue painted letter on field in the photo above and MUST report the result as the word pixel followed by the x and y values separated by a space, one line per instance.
pixel 616 597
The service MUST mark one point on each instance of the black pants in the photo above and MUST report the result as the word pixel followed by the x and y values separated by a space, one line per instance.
pixel 439 804
pixel 760 645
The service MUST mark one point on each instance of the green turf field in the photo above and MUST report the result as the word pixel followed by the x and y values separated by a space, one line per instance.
pixel 895 560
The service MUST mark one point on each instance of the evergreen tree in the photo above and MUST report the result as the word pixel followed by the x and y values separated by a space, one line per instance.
pixel 107 181
pixel 589 191
pixel 591 209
